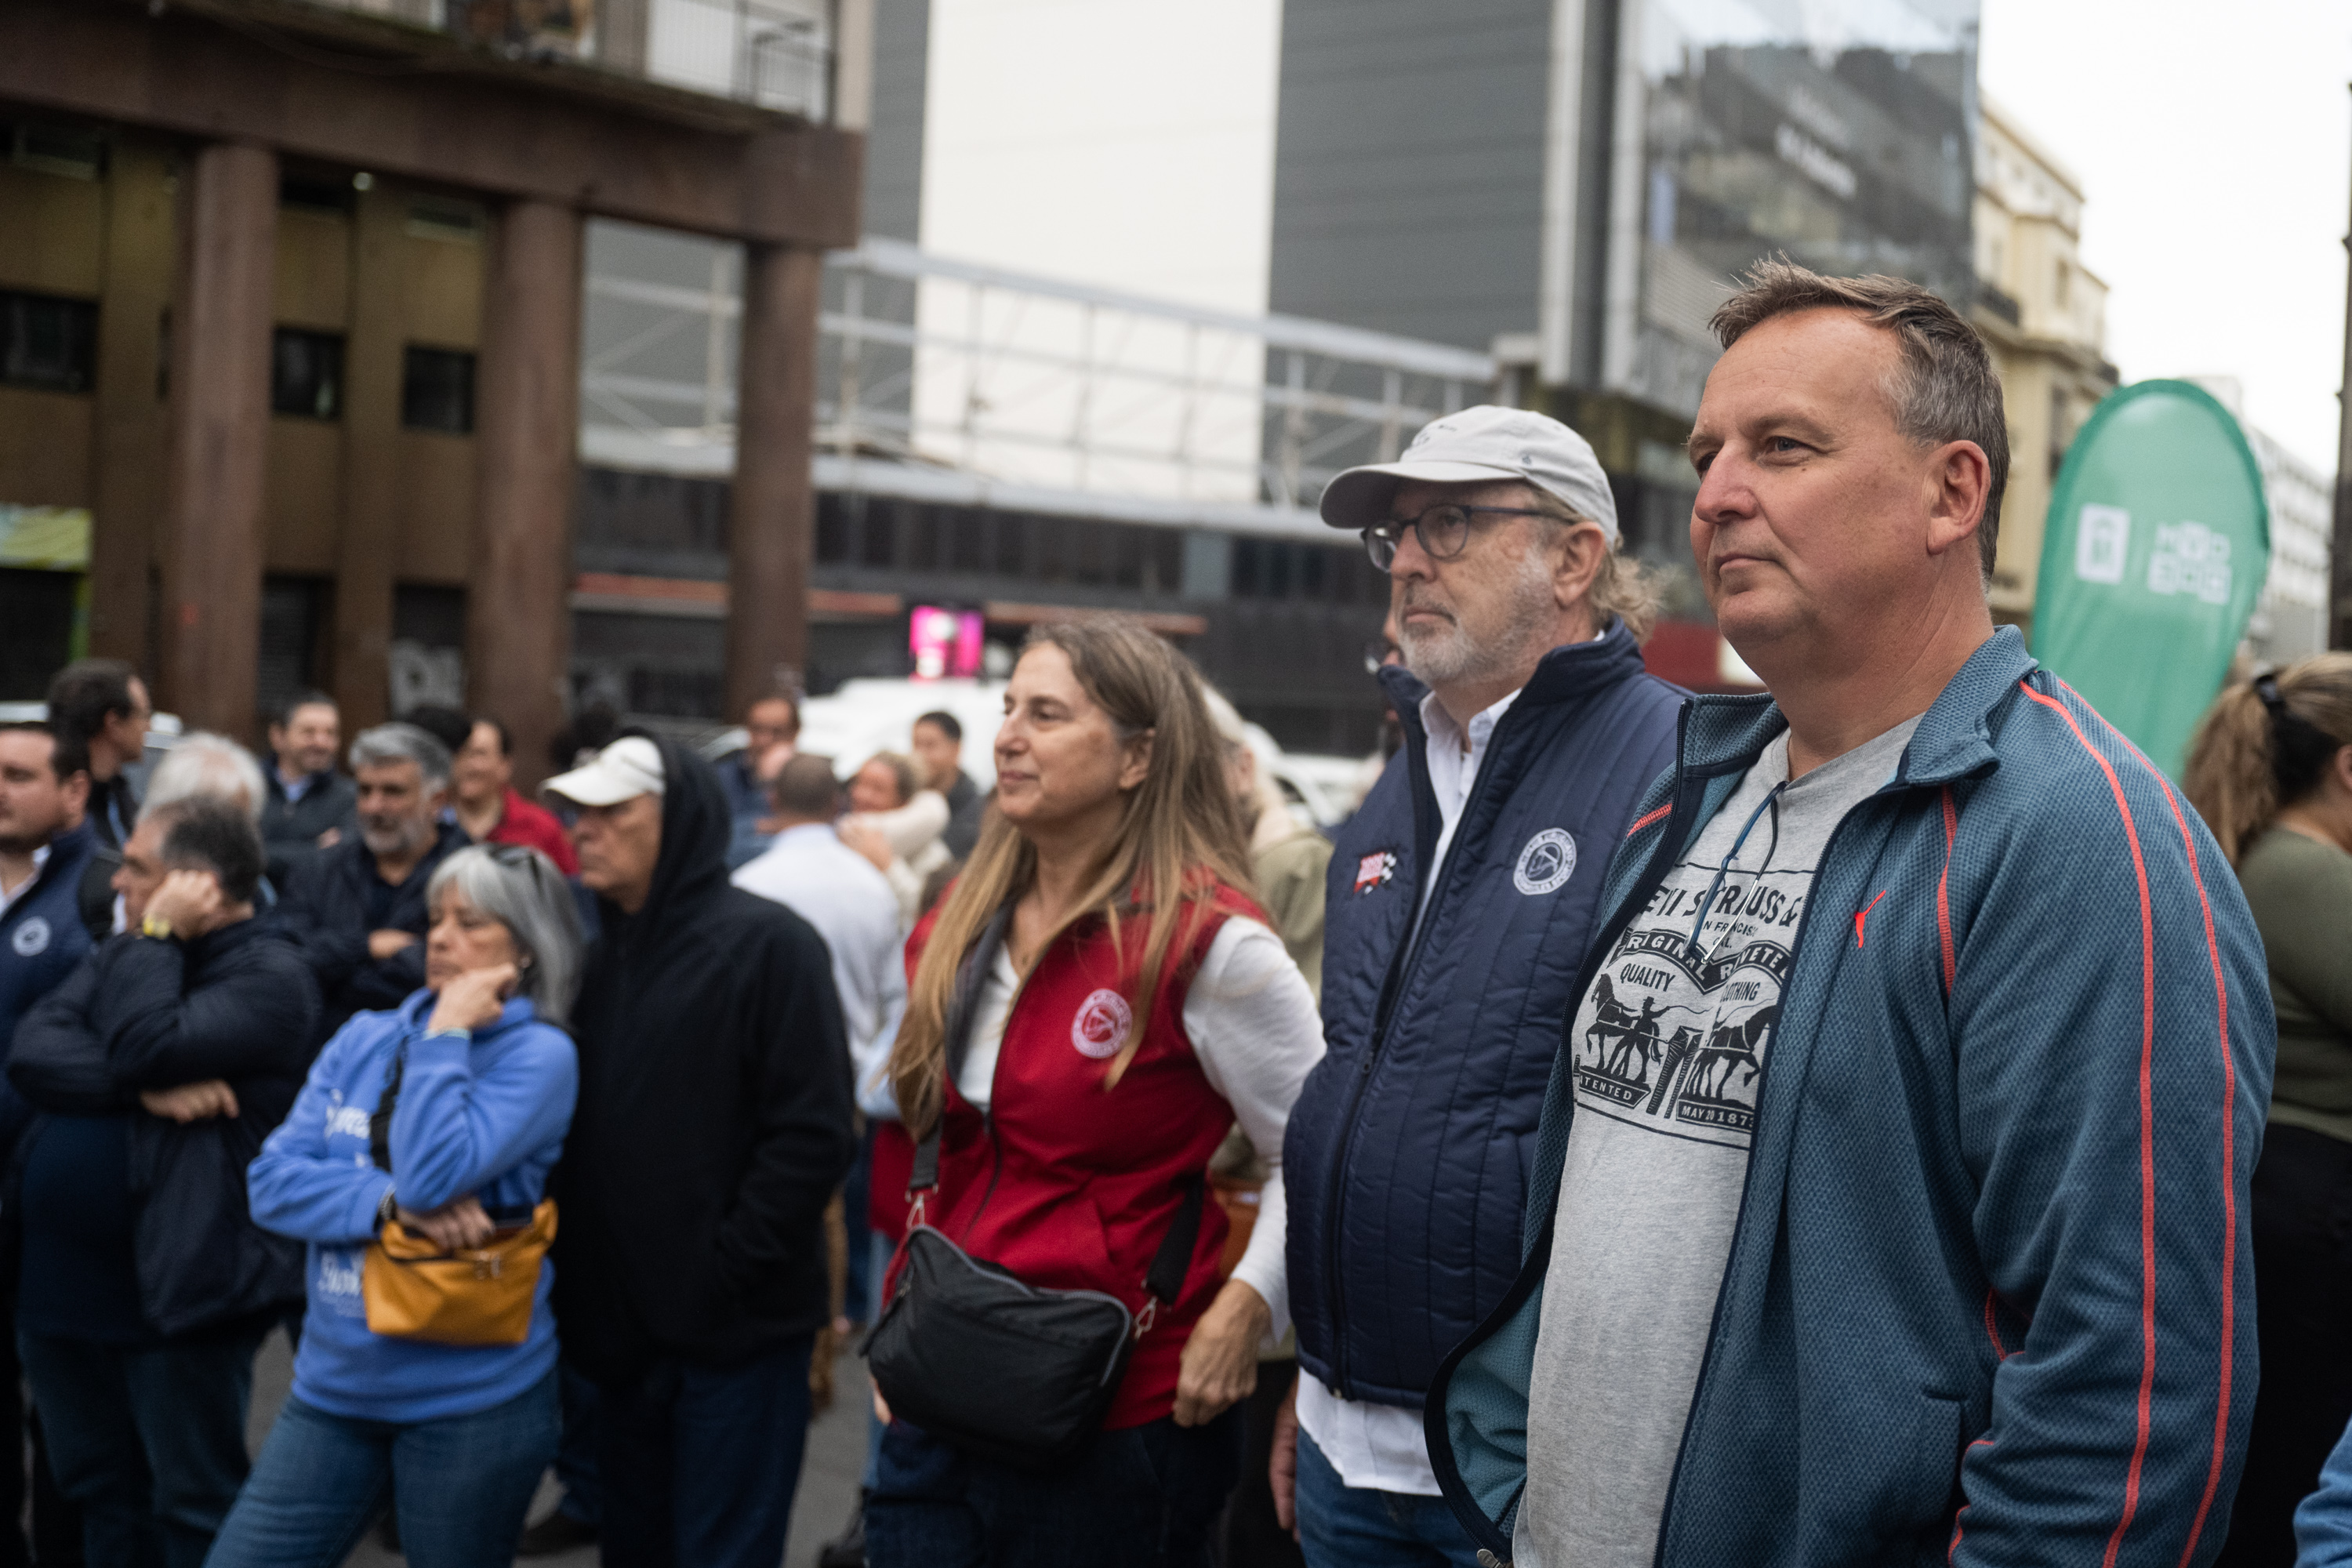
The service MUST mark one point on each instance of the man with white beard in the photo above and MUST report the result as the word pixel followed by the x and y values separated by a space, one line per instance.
pixel 1459 901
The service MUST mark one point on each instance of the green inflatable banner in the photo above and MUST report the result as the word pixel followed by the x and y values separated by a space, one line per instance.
pixel 2157 542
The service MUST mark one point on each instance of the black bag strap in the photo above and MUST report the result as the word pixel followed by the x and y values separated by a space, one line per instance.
pixel 970 977
pixel 1175 1258
pixel 380 1119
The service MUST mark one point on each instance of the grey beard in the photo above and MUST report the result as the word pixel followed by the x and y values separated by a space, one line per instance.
pixel 398 842
pixel 1455 654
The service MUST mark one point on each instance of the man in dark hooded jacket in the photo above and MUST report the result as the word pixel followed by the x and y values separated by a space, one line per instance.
pixel 713 1125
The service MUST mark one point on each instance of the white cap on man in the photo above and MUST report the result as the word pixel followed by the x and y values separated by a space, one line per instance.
pixel 1479 445
pixel 629 767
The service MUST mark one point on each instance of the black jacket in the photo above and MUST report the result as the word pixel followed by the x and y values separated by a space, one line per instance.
pixel 140 1014
pixel 713 1123
pixel 966 806
pixel 290 828
pixel 325 911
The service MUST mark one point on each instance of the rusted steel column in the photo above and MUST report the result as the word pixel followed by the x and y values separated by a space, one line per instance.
pixel 773 506
pixel 211 634
pixel 527 420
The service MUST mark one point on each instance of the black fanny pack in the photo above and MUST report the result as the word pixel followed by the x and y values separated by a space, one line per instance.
pixel 974 1356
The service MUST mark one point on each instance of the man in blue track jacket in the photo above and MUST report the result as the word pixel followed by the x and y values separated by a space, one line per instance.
pixel 1458 900
pixel 1889 1204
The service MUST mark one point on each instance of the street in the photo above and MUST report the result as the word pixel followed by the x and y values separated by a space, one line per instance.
pixel 836 1451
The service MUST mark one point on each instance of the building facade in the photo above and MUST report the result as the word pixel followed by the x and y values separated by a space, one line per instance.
pixel 1574 185
pixel 292 301
pixel 2043 313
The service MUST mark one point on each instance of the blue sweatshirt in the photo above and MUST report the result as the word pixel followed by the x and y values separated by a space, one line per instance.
pixel 484 1115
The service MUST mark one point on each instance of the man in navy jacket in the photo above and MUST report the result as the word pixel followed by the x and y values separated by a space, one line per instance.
pixel 1459 899
pixel 1930 1245
pixel 45 844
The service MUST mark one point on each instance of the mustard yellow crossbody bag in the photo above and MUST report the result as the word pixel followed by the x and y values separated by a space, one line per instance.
pixel 472 1296
pixel 415 1290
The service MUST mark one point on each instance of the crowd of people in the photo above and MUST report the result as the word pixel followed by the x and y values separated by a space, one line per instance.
pixel 1520 1173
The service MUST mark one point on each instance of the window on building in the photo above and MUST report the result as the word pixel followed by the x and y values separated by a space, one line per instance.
pixel 47 342
pixel 316 195
pixel 967 538
pixel 832 530
pixel 879 534
pixel 306 374
pixel 1011 544
pixel 436 390
pixel 293 618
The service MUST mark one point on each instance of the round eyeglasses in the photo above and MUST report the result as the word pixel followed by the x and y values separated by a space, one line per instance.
pixel 1443 532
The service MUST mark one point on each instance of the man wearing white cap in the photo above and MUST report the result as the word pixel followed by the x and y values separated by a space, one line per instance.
pixel 1460 899
pixel 713 1125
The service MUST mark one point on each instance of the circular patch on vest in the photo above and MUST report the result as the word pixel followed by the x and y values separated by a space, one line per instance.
pixel 31 938
pixel 1101 1025
pixel 1546 864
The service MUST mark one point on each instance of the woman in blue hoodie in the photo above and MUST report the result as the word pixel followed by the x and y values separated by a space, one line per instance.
pixel 482 1079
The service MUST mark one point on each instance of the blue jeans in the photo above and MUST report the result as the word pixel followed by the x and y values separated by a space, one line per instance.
pixel 857 1302
pixel 576 1457
pixel 148 1442
pixel 1141 1496
pixel 699 1463
pixel 1340 1526
pixel 461 1484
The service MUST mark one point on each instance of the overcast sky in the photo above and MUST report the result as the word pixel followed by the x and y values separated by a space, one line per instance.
pixel 2214 139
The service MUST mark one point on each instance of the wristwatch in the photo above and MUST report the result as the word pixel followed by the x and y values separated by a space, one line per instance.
pixel 156 927
pixel 386 1206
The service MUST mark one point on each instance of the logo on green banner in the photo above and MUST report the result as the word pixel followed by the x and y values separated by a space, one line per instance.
pixel 2157 543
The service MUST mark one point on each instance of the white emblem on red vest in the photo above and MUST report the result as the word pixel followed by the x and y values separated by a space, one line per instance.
pixel 1101 1025
pixel 1375 868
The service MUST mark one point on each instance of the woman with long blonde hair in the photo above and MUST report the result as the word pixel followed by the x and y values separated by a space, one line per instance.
pixel 2271 772
pixel 1123 1003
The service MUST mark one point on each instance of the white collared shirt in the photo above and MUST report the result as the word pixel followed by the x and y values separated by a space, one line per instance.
pixel 1381 1446
pixel 10 895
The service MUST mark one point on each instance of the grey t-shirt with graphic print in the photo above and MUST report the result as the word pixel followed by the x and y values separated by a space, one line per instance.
pixel 1670 1044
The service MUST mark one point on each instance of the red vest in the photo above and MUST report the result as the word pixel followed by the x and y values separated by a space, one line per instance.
pixel 1074 1185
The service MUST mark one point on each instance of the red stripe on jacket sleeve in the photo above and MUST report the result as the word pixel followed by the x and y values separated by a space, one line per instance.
pixel 1944 888
pixel 2228 1143
pixel 1666 810
pixel 2146 1126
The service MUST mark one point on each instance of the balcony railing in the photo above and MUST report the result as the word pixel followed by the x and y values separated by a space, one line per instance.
pixel 777 54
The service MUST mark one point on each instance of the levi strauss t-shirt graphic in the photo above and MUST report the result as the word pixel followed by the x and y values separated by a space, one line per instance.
pixel 1673 1034
pixel 1670 1044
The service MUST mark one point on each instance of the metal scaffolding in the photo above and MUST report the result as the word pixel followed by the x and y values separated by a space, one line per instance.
pixel 939 375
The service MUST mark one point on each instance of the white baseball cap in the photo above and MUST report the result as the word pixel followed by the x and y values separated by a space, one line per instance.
pixel 629 767
pixel 1479 445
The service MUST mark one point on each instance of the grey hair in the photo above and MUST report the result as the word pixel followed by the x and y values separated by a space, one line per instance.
pixel 1944 387
pixel 521 889
pixel 1624 588
pixel 205 766
pixel 398 742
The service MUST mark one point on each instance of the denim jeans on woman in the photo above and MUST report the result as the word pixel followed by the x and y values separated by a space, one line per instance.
pixel 461 1485
pixel 1140 1497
